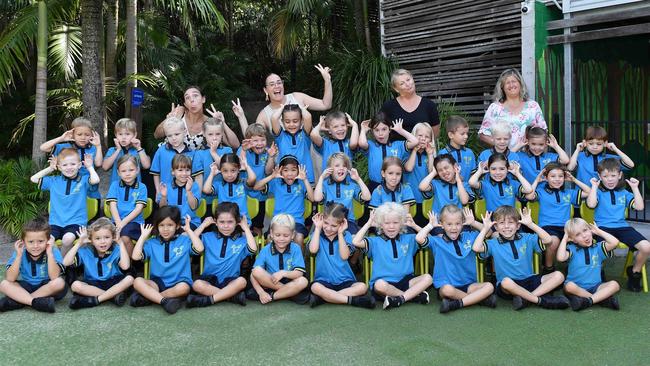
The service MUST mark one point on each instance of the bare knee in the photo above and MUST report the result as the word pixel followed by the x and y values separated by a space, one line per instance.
pixel 571 287
pixel 614 285
pixel 76 286
pixel 301 282
pixel 557 276
pixel 381 286
pixel 508 284
pixel 128 280
pixel 447 291
pixel 258 272
pixel 57 284
pixel 643 247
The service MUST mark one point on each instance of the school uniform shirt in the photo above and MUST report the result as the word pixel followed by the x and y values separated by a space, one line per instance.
pixel 127 197
pixel 298 145
pixel 90 149
pixel 331 146
pixel 330 267
pixel 203 160
pixel 257 162
pixel 487 153
pixel 455 262
pixel 161 164
pixel 121 152
pixel 343 192
pixel 289 199
pixel 587 165
pixel 513 258
pixel 98 268
pixel 236 192
pixel 531 165
pixel 556 204
pixel 177 196
pixel 585 264
pixel 392 259
pixel 67 199
pixel 34 271
pixel 465 159
pixel 505 192
pixel 420 170
pixel 445 193
pixel 170 260
pixel 223 255
pixel 377 152
pixel 402 194
pixel 272 260
pixel 612 203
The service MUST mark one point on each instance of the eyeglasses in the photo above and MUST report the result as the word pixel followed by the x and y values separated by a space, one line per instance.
pixel 275 83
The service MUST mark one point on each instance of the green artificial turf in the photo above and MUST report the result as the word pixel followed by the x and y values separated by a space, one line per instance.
pixel 285 333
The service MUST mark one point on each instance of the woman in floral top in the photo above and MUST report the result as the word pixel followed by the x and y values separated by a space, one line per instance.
pixel 512 105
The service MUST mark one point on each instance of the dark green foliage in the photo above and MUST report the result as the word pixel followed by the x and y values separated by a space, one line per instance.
pixel 20 199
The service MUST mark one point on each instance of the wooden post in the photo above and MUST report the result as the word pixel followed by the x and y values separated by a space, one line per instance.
pixel 568 89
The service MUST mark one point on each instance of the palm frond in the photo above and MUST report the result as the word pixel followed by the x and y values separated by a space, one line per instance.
pixel 286 31
pixel 65 51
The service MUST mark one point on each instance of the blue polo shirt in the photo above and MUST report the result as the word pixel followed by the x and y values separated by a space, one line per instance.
pixel 177 196
pixel 465 159
pixel 611 207
pixel 289 199
pixel 378 152
pixel 34 271
pixel 420 170
pixel 236 192
pixel 223 254
pixel 273 261
pixel 330 267
pixel 93 192
pixel 403 194
pixel 503 193
pixel 170 260
pixel 513 258
pixel 343 192
pixel 331 146
pixel 257 162
pixel 121 152
pixel 127 197
pixel 585 264
pixel 455 261
pixel 487 153
pixel 161 164
pixel 98 268
pixel 446 194
pixel 392 259
pixel 531 165
pixel 203 160
pixel 587 167
pixel 556 204
pixel 298 145
pixel 67 199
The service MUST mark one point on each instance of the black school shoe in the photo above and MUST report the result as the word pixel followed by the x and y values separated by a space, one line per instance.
pixel 119 299
pixel 448 305
pixel 8 304
pixel 198 301
pixel 554 302
pixel 422 298
pixel 518 303
pixel 301 298
pixel 579 303
pixel 239 299
pixel 43 304
pixel 611 302
pixel 171 304
pixel 490 301
pixel 391 302
pixel 364 301
pixel 138 300
pixel 315 300
pixel 633 280
pixel 81 302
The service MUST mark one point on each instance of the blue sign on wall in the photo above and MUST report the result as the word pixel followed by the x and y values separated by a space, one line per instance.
pixel 137 97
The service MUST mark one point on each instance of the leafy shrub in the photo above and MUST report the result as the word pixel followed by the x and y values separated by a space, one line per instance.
pixel 20 199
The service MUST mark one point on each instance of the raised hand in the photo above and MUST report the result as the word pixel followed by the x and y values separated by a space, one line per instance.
pixel 116 143
pixel 322 124
pixel 430 148
pixel 318 220
pixel 302 172
pixel 237 109
pixel 526 217
pixel 82 234
pixel 88 161
pixel 304 110
pixel 324 72
pixel 433 219
pixel 354 174
pixel 611 146
pixel 469 216
pixel 145 230
pixel 552 141
pixel 397 125
pixel 52 160
pixel 365 126
pixel 68 135
pixel 208 221
pixel 595 182
pixel 272 150
pixel 188 184
pixel 633 183
pixel 569 177
pixel 514 168
pixel 163 190
pixel 95 140
pixel 487 220
pixel 19 245
pixel 580 146
pixel 246 144
pixel 137 144
pixel 243 223
pixel 457 172
pixel 372 219
pixel 50 245
pixel 327 172
pixel 177 111
pixel 483 167
pixel 594 228
pixel 343 226
pixel 350 120
pixel 186 227
pixel 277 173
pixel 214 168
pixel 214 113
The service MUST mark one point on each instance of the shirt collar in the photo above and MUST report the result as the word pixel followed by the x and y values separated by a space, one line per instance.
pixel 108 252
pixel 163 241
pixel 232 236
pixel 39 259
pixel 399 187
pixel 602 154
pixel 502 240
pixel 331 180
pixel 275 251
pixel 494 182
pixel 76 178
pixel 134 185
pixel 170 147
pixel 396 238
pixel 223 181
pixel 550 189
pixel 451 148
pixel 74 144
pixel 605 189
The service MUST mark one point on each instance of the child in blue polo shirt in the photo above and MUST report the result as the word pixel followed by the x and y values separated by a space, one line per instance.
pixel 533 155
pixel 556 201
pixel 126 143
pixel 454 273
pixel 127 198
pixel 393 280
pixel 340 183
pixel 591 151
pixel 334 281
pixel 38 264
pixel 105 262
pixel 334 127
pixel 227 183
pixel 584 285
pixel 168 253
pixel 183 192
pixel 419 165
pixel 380 147
pixel 611 201
pixel 503 184
pixel 392 189
pixel 225 250
pixel 279 269
pixel 290 187
pixel 512 252
pixel 501 134
pixel 292 135
pixel 445 184
pixel 458 133
pixel 68 192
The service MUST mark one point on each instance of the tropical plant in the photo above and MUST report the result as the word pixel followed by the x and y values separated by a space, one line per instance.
pixel 20 199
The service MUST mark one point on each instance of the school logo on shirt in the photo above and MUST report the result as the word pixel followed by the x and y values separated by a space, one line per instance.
pixel 289 264
pixel 77 188
pixel 348 193
pixel 467 160
pixel 42 270
pixel 566 198
pixel 405 248
pixel 178 251
pixel 620 201
pixel 522 249
pixel 135 195
pixel 467 245
pixel 239 191
pixel 236 248
pixel 109 266
pixel 298 190
pixel 594 261
pixel 392 151
pixel 546 161
pixel 508 191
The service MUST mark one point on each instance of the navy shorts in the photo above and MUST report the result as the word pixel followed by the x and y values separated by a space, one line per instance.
pixel 353 227
pixel 57 231
pixel 557 231
pixel 626 235
pixel 463 288
pixel 132 230
pixel 31 288
pixel 401 285
pixel 105 284
pixel 258 221
pixel 161 285
pixel 530 284
pixel 214 280
pixel 301 229
pixel 337 287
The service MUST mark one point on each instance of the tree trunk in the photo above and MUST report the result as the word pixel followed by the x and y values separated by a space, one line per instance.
pixel 131 51
pixel 358 19
pixel 40 104
pixel 366 26
pixel 112 20
pixel 92 81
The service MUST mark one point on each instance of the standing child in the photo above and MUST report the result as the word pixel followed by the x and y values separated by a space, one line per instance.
pixel 168 253
pixel 498 187
pixel 292 135
pixel 225 250
pixel 512 251
pixel 611 202
pixel 501 135
pixel 104 261
pixel 392 189
pixel 279 269
pixel 334 281
pixel 445 184
pixel 584 285
pixel 393 280
pixel 335 127
pixel 458 133
pixel 68 193
pixel 39 265
pixel 127 198
pixel 454 275
pixel 419 165
pixel 126 143
pixel 533 155
pixel 183 192
pixel 228 183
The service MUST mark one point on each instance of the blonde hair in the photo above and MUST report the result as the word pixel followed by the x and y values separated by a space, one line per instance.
pixel 397 73
pixel 504 212
pixel 211 122
pixel 100 224
pixel 500 94
pixel 501 128
pixel 126 124
pixel 283 220
pixel 450 210
pixel 390 209
pixel 81 122
pixel 256 129
pixel 572 226
pixel 339 156
pixel 68 151
pixel 420 125
pixel 173 122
